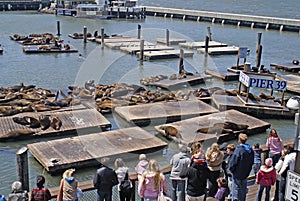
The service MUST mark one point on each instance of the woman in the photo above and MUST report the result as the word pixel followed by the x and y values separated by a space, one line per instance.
pixel 121 171
pixel 40 193
pixel 17 192
pixel 214 159
pixel 275 145
pixel 68 187
pixel 152 182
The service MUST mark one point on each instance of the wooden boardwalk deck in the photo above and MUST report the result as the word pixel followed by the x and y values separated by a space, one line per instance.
pixel 293 82
pixel 287 67
pixel 172 41
pixel 173 84
pixel 72 121
pixel 228 76
pixel 85 150
pixel 220 50
pixel 166 54
pixel 188 128
pixel 163 112
pixel 195 45
pixel 32 49
pixel 257 109
pixel 136 49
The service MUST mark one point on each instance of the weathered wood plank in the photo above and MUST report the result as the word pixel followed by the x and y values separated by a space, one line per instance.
pixel 84 150
pixel 128 44
pixel 165 54
pixel 220 50
pixel 135 49
pixel 195 45
pixel 287 67
pixel 293 82
pixel 188 128
pixel 142 115
pixel 224 76
pixel 172 41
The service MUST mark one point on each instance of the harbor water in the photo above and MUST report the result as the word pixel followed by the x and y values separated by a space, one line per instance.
pixel 56 71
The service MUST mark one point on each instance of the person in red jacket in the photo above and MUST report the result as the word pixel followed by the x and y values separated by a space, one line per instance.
pixel 266 177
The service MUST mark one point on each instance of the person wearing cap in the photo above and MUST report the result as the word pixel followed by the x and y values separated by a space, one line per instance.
pixel 266 177
pixel 240 165
pixel 40 193
pixel 179 162
pixel 68 187
pixel 104 180
pixel 17 192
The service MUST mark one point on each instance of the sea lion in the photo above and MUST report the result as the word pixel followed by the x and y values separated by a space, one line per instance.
pixel 264 96
pixel 45 121
pixel 17 133
pixel 170 131
pixel 32 122
pixel 56 123
pixel 20 120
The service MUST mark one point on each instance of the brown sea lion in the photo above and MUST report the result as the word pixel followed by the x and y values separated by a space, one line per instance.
pixel 264 96
pixel 45 121
pixel 32 122
pixel 170 131
pixel 20 120
pixel 17 133
pixel 56 123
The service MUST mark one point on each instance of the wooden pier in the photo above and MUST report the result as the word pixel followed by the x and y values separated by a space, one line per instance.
pixel 251 21
pixel 188 128
pixel 175 83
pixel 143 115
pixel 166 54
pixel 196 45
pixel 86 150
pixel 72 122
pixel 268 109
pixel 220 50
pixel 287 67
pixel 228 76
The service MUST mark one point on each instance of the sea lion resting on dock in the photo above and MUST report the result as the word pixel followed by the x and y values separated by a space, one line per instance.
pixel 44 121
pixel 222 128
pixel 27 121
pixel 171 131
pixel 56 123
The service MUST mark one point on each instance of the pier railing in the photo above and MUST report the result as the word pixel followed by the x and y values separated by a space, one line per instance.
pixel 253 21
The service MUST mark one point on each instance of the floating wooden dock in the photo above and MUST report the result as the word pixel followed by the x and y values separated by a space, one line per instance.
pixel 173 84
pixel 188 128
pixel 172 41
pixel 166 54
pixel 195 45
pixel 86 150
pixel 287 67
pixel 268 109
pixel 147 48
pixel 143 115
pixel 220 50
pixel 129 44
pixel 72 121
pixel 228 76
pixel 293 82
pixel 43 49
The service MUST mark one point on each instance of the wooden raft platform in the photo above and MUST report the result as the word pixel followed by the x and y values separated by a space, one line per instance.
pixel 259 109
pixel 117 46
pixel 189 80
pixel 172 41
pixel 30 49
pixel 220 50
pixel 83 151
pixel 188 128
pixel 195 45
pixel 228 76
pixel 72 121
pixel 287 67
pixel 143 115
pixel 293 82
pixel 136 49
pixel 166 54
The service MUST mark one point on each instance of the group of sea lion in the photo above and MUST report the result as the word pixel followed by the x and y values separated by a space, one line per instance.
pixel 44 122
pixel 222 128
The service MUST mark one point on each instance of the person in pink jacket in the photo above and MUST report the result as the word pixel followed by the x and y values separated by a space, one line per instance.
pixel 275 145
pixel 266 177
pixel 152 182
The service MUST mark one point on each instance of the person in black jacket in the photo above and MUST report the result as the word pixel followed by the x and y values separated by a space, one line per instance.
pixel 197 175
pixel 240 165
pixel 104 179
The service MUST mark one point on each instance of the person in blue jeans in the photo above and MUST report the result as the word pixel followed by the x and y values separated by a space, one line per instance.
pixel 240 165
pixel 179 162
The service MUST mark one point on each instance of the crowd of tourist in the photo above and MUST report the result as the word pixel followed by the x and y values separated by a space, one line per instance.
pixel 221 173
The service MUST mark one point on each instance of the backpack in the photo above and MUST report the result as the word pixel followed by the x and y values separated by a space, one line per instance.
pixel 126 185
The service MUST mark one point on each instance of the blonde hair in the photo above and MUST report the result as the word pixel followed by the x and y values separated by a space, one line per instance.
pixel 214 148
pixel 119 163
pixel 16 186
pixel 231 147
pixel 68 173
pixel 142 157
pixel 152 167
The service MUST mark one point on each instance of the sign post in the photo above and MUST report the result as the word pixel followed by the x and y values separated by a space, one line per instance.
pixel 292 189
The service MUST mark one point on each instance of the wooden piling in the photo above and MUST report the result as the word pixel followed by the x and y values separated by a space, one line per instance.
pixel 22 165
pixel 58 27
pixel 139 31
pixel 206 44
pixel 84 34
pixel 258 49
pixel 102 37
pixel 168 37
pixel 209 33
pixel 181 67
pixel 141 56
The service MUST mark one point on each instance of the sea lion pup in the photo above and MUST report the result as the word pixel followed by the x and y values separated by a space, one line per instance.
pixel 45 121
pixel 17 133
pixel 170 131
pixel 55 123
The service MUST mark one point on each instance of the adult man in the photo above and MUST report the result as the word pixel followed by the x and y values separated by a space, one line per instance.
pixel 179 162
pixel 240 165
pixel 104 179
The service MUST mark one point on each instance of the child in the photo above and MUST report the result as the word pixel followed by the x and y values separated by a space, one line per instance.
pixel 257 158
pixel 222 190
pixel 141 166
pixel 40 192
pixel 266 177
